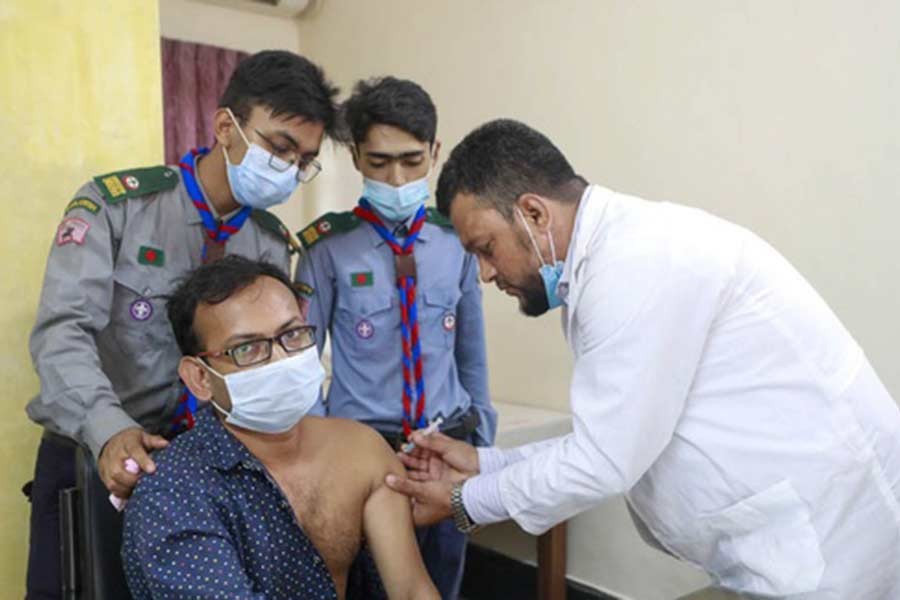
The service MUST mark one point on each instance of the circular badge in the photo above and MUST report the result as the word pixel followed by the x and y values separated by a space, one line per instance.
pixel 449 322
pixel 141 310
pixel 324 227
pixel 131 182
pixel 364 329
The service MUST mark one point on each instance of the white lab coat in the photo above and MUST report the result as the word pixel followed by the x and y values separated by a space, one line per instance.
pixel 715 388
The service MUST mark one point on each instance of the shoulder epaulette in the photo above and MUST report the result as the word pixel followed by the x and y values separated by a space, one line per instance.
pixel 132 183
pixel 326 225
pixel 273 224
pixel 435 218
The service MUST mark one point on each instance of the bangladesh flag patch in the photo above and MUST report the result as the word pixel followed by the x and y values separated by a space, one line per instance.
pixel 364 279
pixel 151 256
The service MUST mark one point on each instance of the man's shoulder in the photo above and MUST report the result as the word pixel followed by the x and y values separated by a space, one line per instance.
pixel 273 226
pixel 328 227
pixel 437 219
pixel 183 464
pixel 352 437
pixel 104 192
pixel 121 185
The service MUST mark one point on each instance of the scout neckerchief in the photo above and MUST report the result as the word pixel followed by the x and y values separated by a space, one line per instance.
pixel 216 233
pixel 409 320
pixel 183 419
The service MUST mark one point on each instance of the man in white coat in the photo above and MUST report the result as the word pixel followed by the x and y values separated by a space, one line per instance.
pixel 712 386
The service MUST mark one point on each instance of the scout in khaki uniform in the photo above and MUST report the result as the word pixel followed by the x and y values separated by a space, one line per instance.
pixel 391 285
pixel 102 345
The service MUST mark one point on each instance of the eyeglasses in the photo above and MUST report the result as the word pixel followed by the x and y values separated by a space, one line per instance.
pixel 247 354
pixel 281 161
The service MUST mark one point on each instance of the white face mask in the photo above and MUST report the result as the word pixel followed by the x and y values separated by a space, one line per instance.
pixel 274 397
pixel 254 182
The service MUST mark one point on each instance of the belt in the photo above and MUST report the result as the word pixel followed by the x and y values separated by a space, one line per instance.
pixel 458 430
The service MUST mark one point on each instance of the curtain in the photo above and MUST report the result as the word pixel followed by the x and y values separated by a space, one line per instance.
pixel 194 77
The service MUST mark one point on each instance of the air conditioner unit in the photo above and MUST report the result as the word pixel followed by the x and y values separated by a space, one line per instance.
pixel 276 8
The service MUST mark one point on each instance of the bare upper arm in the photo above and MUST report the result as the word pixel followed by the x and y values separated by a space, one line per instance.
pixel 389 529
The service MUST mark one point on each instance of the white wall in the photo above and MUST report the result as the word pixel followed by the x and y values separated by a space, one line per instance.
pixel 202 22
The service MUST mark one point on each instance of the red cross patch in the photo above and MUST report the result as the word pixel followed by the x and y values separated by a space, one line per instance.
pixel 131 182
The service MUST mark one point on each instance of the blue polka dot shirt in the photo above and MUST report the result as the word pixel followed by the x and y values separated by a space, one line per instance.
pixel 211 523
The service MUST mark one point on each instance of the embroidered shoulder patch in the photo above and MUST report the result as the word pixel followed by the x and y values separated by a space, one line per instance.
pixel 326 225
pixel 273 224
pixel 72 231
pixel 435 218
pixel 82 202
pixel 132 183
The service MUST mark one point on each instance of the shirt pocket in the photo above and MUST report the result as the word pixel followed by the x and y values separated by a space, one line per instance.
pixel 367 325
pixel 766 544
pixel 438 318
pixel 138 313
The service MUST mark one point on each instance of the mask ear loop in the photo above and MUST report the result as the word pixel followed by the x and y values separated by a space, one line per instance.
pixel 534 241
pixel 238 125
pixel 212 370
pixel 240 131
pixel 552 248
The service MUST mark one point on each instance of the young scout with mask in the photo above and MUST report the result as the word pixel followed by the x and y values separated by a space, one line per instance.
pixel 391 285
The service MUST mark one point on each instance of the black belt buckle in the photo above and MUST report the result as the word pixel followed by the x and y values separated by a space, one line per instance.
pixel 461 430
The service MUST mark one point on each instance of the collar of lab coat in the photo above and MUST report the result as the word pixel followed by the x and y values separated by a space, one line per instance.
pixel 588 219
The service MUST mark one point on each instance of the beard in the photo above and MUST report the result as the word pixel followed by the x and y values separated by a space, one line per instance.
pixel 533 301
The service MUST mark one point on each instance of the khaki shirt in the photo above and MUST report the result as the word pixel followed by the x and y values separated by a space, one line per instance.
pixel 102 344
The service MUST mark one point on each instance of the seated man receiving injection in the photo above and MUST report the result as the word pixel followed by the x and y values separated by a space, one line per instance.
pixel 259 500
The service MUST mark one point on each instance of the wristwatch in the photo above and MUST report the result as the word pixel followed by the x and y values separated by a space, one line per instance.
pixel 460 516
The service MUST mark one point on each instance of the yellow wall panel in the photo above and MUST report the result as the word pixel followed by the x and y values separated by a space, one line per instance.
pixel 80 93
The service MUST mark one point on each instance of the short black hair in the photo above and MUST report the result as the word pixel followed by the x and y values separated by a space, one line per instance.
pixel 284 82
pixel 388 101
pixel 213 283
pixel 503 159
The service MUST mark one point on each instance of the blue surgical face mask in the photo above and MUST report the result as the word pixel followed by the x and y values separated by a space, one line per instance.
pixel 396 203
pixel 254 182
pixel 550 273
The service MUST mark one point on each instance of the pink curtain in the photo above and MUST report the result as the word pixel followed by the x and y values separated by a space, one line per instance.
pixel 194 77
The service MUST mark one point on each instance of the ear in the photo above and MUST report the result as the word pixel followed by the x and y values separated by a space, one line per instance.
pixel 536 211
pixel 435 152
pixel 354 153
pixel 195 377
pixel 223 127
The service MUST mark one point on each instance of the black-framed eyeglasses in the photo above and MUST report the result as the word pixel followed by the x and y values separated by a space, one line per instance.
pixel 307 169
pixel 247 354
